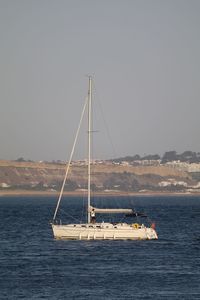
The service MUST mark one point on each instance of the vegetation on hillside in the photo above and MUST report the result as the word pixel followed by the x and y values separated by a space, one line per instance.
pixel 186 156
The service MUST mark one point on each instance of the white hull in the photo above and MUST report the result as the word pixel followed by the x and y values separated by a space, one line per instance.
pixel 103 231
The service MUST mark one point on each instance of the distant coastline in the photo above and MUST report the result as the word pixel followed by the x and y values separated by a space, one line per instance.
pixel 23 193
pixel 145 178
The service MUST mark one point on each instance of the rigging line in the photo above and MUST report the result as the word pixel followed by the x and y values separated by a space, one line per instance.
pixel 65 213
pixel 105 123
pixel 70 159
pixel 122 219
pixel 83 207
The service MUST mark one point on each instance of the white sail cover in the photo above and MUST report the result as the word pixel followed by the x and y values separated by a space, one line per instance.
pixel 111 210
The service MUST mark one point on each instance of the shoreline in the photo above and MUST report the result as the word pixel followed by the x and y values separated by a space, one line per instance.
pixel 17 193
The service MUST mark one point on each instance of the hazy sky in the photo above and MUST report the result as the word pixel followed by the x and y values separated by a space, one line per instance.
pixel 145 59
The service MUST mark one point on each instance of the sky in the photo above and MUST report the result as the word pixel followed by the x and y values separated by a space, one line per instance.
pixel 144 60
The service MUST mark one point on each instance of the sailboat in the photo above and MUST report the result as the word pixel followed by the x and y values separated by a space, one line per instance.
pixel 91 230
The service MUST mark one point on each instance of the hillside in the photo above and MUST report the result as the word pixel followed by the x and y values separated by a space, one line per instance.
pixel 35 176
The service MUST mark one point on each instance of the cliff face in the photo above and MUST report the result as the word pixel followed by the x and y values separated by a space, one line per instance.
pixel 19 174
pixel 47 176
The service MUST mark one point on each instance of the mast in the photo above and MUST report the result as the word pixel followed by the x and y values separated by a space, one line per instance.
pixel 89 142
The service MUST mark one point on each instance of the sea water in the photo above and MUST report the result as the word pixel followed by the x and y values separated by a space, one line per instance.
pixel 35 266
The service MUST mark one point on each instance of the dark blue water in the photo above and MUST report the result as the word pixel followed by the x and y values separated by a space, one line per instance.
pixel 35 266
